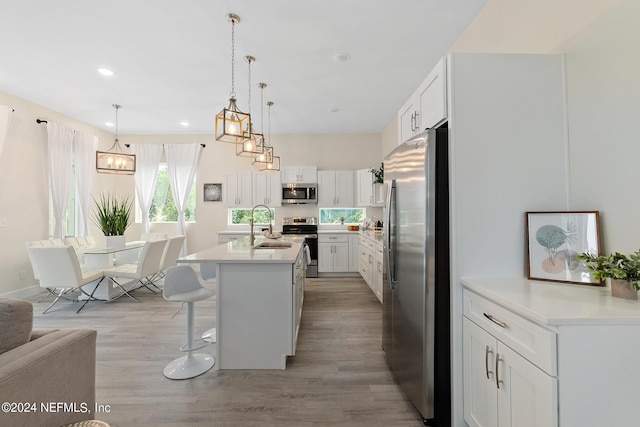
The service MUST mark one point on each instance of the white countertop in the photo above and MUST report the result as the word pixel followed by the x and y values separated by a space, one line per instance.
pixel 239 251
pixel 553 303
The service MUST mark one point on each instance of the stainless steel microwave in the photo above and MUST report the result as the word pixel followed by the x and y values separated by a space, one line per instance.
pixel 299 193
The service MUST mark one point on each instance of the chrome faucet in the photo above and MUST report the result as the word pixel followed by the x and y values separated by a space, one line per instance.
pixel 252 236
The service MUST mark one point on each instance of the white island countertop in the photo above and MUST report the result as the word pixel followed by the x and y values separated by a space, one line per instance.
pixel 240 251
pixel 557 304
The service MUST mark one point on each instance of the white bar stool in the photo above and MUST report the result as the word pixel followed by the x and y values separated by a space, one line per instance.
pixel 181 284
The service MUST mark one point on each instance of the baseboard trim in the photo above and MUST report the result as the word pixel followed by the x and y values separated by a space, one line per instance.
pixel 23 293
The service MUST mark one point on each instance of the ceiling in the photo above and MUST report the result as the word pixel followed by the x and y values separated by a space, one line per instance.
pixel 172 59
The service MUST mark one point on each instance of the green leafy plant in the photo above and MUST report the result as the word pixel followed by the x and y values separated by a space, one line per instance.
pixel 614 266
pixel 113 214
pixel 378 174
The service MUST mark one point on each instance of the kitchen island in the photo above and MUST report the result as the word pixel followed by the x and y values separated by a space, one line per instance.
pixel 259 301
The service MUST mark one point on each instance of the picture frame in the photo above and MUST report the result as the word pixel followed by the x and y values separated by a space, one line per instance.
pixel 554 239
pixel 212 193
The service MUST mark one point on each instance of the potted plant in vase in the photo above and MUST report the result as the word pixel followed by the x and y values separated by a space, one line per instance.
pixel 113 217
pixel 623 270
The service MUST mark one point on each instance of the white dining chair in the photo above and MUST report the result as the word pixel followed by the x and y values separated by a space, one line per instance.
pixel 59 270
pixel 141 272
pixel 181 284
pixel 170 255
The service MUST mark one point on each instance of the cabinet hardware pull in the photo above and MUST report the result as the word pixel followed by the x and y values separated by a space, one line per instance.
pixel 413 116
pixel 416 120
pixel 498 380
pixel 494 320
pixel 487 352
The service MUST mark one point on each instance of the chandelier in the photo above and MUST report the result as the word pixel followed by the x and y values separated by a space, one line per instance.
pixel 274 164
pixel 114 160
pixel 267 152
pixel 253 144
pixel 231 123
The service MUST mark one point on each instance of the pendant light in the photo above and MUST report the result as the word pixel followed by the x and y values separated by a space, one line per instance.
pixel 253 145
pixel 231 122
pixel 114 160
pixel 267 152
pixel 274 164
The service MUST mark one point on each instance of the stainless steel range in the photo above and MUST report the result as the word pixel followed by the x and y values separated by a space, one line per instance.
pixel 306 227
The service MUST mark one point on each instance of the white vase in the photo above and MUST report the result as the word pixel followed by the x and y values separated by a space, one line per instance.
pixel 117 242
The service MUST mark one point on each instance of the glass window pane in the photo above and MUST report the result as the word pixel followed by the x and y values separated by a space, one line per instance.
pixel 338 215
pixel 243 216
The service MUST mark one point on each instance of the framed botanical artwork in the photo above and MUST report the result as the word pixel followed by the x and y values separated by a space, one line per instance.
pixel 554 239
pixel 212 192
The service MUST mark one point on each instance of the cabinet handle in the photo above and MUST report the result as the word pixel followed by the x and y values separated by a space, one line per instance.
pixel 487 352
pixel 416 120
pixel 498 380
pixel 413 117
pixel 494 320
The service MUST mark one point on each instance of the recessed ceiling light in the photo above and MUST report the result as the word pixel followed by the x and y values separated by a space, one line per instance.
pixel 109 124
pixel 184 124
pixel 105 72
pixel 341 57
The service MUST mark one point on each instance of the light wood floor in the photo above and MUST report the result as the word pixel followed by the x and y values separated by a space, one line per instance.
pixel 338 376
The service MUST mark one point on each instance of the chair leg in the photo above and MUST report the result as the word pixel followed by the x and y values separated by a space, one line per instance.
pixel 90 297
pixel 58 296
pixel 124 292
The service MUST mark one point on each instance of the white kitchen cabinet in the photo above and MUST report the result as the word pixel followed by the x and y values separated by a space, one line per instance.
pixel 502 388
pixel 427 107
pixel 364 187
pixel 354 248
pixel 335 189
pixel 377 271
pixel 299 174
pixel 333 253
pixel 366 260
pixel 267 189
pixel 237 190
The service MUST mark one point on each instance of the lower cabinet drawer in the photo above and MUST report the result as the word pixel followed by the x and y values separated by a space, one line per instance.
pixel 534 342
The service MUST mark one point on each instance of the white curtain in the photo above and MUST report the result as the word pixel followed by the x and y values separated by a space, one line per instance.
pixel 59 158
pixel 5 118
pixel 85 155
pixel 182 164
pixel 148 158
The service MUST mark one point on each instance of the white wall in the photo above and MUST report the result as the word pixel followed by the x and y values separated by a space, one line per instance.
pixel 24 192
pixel 603 69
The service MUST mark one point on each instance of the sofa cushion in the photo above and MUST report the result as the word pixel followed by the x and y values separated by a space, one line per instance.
pixel 16 323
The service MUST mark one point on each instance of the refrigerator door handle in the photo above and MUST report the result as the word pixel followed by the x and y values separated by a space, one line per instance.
pixel 391 229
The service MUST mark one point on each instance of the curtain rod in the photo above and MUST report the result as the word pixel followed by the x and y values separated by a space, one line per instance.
pixel 126 145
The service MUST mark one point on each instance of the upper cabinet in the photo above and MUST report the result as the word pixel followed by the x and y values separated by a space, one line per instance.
pixel 302 174
pixel 427 107
pixel 364 188
pixel 368 192
pixel 267 189
pixel 237 191
pixel 335 188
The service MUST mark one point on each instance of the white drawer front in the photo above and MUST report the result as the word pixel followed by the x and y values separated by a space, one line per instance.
pixel 333 238
pixel 530 340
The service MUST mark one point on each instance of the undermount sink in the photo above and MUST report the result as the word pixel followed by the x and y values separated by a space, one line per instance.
pixel 273 245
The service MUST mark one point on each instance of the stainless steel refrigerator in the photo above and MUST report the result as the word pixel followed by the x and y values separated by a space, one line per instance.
pixel 415 335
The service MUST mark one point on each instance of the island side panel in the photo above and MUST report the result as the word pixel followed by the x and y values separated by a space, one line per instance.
pixel 255 303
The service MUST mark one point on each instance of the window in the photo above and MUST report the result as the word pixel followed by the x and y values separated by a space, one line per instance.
pixel 337 215
pixel 242 216
pixel 163 208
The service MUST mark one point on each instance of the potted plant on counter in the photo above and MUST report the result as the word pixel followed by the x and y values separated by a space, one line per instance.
pixel 113 217
pixel 623 270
